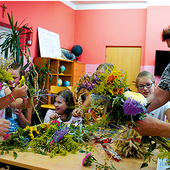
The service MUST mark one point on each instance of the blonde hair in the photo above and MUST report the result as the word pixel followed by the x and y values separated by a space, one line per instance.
pixel 104 66
pixel 145 74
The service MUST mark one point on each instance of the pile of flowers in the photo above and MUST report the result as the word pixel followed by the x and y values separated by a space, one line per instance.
pixel 53 138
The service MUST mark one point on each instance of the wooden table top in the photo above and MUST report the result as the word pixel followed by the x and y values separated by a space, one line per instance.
pixel 71 161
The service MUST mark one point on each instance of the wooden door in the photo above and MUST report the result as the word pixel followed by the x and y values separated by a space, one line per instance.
pixel 128 59
pixel 78 71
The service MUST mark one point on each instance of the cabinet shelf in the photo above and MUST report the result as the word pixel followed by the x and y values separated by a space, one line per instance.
pixel 73 71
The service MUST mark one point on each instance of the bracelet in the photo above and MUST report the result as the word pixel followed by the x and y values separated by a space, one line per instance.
pixel 13 99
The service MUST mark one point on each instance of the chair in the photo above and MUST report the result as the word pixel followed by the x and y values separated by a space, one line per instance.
pixel 55 90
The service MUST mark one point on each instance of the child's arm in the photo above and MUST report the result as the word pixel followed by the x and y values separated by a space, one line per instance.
pixel 22 119
pixel 18 103
pixel 18 92
pixel 48 115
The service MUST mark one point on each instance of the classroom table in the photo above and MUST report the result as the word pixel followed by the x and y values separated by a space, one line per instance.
pixel 35 161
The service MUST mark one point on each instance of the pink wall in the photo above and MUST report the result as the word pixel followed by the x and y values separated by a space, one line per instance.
pixel 51 15
pixel 157 19
pixel 96 29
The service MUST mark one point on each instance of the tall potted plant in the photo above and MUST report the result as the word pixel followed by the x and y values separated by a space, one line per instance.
pixel 12 43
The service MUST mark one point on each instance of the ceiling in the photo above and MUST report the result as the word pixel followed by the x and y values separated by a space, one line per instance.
pixel 104 2
pixel 112 4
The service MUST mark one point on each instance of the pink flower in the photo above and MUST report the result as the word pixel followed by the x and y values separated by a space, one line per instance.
pixel 87 160
pixel 55 121
pixel 1 86
pixel 83 162
pixel 6 136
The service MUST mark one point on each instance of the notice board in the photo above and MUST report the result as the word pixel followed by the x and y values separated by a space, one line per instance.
pixel 49 43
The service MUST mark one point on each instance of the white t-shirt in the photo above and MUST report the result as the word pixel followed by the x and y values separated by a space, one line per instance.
pixel 159 113
pixel 50 112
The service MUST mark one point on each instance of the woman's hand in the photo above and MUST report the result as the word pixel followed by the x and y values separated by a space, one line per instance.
pixel 150 126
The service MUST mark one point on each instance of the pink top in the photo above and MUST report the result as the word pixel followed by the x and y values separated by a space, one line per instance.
pixel 50 112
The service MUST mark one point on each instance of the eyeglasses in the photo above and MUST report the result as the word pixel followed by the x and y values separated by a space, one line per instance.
pixel 148 85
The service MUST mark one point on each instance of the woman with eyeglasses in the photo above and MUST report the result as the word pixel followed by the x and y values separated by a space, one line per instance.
pixel 145 83
pixel 150 126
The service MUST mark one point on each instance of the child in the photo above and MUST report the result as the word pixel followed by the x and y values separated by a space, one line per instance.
pixel 17 117
pixel 87 103
pixel 64 105
pixel 145 83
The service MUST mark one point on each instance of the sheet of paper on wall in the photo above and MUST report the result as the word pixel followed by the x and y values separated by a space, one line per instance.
pixel 162 164
pixel 49 44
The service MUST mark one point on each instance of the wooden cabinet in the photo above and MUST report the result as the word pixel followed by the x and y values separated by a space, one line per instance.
pixel 78 71
pixel 53 66
pixel 73 71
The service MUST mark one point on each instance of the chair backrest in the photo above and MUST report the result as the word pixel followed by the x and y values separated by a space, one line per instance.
pixel 56 89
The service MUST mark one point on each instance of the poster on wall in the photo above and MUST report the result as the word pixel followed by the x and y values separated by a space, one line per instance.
pixel 49 43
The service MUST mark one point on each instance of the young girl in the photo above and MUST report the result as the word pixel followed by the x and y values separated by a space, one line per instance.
pixel 17 117
pixel 145 83
pixel 64 105
pixel 87 103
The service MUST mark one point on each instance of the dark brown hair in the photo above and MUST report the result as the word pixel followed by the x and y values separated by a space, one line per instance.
pixel 166 33
pixel 69 99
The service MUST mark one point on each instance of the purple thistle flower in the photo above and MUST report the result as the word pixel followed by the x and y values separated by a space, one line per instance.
pixel 87 85
pixel 133 107
pixel 60 134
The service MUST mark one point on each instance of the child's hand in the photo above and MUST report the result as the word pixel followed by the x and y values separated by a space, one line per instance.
pixel 18 112
pixel 27 102
pixel 4 126
pixel 77 112
pixel 54 116
pixel 35 99
pixel 20 92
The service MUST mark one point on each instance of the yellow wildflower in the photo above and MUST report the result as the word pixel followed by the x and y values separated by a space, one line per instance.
pixel 26 128
pixel 33 131
pixel 22 81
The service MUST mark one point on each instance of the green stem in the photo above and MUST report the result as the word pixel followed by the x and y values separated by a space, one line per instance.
pixel 104 166
pixel 35 110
